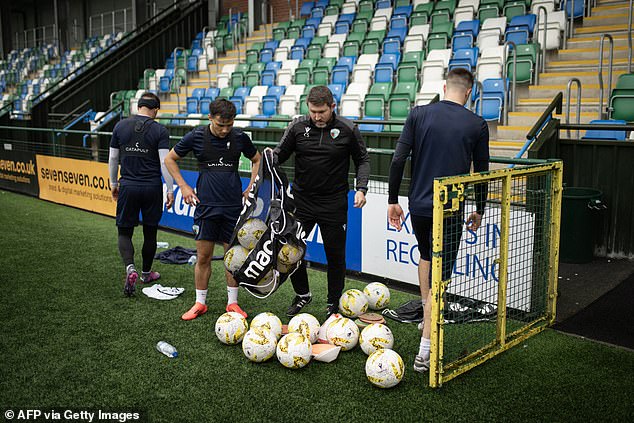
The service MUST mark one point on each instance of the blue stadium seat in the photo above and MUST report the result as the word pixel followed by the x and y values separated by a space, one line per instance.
pixel 383 4
pixel 337 91
pixel 468 56
pixel 579 8
pixel 266 55
pixel 237 102
pixel 192 105
pixel 297 53
pixel 342 27
pixel 604 134
pixel 302 42
pixel 276 91
pixel 527 21
pixel 347 61
pixel 383 73
pixel 340 75
pixel 309 31
pixel 198 93
pixel 268 77
pixel 262 124
pixel 398 22
pixel 272 44
pixel 203 105
pixel 371 127
pixel 317 12
pixel 517 34
pixel 391 45
pixel 347 17
pixel 241 92
pixel 403 10
pixel 492 99
pixel 269 105
pixel 307 6
pixel 391 59
pixel 212 92
pixel 399 33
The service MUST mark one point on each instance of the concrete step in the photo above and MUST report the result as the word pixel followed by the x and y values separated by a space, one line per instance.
pixel 609 9
pixel 588 90
pixel 607 19
pixel 587 77
pixel 619 63
pixel 529 118
pixel 592 41
pixel 508 132
pixel 600 29
pixel 592 53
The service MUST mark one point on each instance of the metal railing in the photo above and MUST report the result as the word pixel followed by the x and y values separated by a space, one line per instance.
pixel 578 106
pixel 600 73
pixel 554 106
pixel 100 21
pixel 629 37
pixel 542 50
pixel 30 36
pixel 509 97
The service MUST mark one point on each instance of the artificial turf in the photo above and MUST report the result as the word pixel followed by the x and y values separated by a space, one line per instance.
pixel 71 340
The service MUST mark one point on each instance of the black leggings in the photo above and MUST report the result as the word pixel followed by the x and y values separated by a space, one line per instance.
pixel 126 248
pixel 334 237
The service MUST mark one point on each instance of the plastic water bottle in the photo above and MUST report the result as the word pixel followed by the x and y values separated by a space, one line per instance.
pixel 192 260
pixel 167 349
pixel 162 244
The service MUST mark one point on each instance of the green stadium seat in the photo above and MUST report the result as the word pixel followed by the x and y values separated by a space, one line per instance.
pixel 625 81
pixel 487 11
pixel 374 106
pixel 351 48
pixel 407 89
pixel 382 89
pixel 280 125
pixel 360 25
pixel 314 51
pixel 226 93
pixel 370 47
pixel 416 57
pixel 526 60
pixel 407 72
pixel 514 8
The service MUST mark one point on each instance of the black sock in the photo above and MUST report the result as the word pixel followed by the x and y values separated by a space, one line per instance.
pixel 149 246
pixel 126 248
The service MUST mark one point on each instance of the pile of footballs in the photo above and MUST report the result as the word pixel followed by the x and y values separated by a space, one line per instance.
pixel 304 338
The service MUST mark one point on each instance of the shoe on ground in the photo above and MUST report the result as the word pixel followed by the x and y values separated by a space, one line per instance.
pixel 197 310
pixel 420 364
pixel 234 307
pixel 331 309
pixel 130 283
pixel 298 304
pixel 151 277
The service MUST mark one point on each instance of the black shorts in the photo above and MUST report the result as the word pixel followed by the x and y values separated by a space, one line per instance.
pixel 452 232
pixel 215 224
pixel 135 199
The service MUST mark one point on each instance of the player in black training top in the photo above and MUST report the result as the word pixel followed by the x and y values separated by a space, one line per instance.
pixel 323 143
pixel 444 138
pixel 140 144
pixel 218 197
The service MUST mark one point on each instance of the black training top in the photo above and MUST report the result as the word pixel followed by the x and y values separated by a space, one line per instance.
pixel 444 138
pixel 218 182
pixel 322 156
pixel 139 139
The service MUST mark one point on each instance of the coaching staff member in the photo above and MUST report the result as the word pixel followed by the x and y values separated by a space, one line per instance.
pixel 444 138
pixel 140 144
pixel 323 144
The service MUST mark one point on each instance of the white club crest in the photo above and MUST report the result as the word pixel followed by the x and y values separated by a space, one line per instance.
pixel 334 133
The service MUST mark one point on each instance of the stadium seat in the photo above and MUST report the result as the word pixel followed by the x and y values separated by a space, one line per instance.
pixel 493 97
pixel 604 134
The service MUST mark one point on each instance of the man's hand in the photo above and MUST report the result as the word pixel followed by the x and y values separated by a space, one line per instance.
pixel 170 200
pixel 245 194
pixel 359 199
pixel 395 215
pixel 115 193
pixel 188 195
pixel 473 221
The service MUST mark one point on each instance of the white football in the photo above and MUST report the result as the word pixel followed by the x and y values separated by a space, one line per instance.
pixel 266 284
pixel 290 254
pixel 306 324
pixel 251 232
pixel 353 303
pixel 378 295
pixel 231 327
pixel 376 336
pixel 235 258
pixel 294 350
pixel 384 368
pixel 323 331
pixel 343 333
pixel 268 321
pixel 259 344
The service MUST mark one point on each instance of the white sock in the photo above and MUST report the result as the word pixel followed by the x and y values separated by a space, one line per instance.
pixel 232 294
pixel 423 350
pixel 201 296
pixel 306 295
pixel 130 268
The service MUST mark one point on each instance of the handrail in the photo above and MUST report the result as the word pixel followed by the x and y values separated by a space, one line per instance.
pixel 555 105
pixel 263 14
pixel 597 126
pixel 629 38
pixel 600 73
pixel 103 53
pixel 206 44
pixel 113 13
pixel 568 89
pixel 75 110
pixel 236 38
pixel 542 51
pixel 571 27
pixel 509 98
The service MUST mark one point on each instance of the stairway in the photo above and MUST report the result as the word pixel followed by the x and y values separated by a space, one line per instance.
pixel 579 60
pixel 203 79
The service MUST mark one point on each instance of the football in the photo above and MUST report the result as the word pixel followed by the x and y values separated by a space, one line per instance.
pixel 251 232
pixel 294 350
pixel 290 254
pixel 231 327
pixel 378 295
pixel 343 333
pixel 266 284
pixel 374 337
pixel 384 368
pixel 259 344
pixel 306 324
pixel 268 321
pixel 353 303
pixel 235 258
